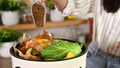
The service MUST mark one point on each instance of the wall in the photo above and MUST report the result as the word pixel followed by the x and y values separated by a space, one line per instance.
pixel 68 32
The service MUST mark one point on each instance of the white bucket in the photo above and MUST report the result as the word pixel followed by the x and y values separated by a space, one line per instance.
pixel 76 62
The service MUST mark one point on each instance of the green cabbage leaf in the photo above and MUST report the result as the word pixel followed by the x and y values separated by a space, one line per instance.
pixel 60 49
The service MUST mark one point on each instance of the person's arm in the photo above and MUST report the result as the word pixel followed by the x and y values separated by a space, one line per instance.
pixel 60 4
pixel 118 44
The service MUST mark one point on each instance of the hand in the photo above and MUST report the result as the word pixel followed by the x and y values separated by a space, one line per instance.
pixel 43 0
pixel 118 44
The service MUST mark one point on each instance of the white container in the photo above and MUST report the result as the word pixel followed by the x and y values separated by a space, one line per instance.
pixel 10 18
pixel 77 62
pixel 4 49
pixel 56 16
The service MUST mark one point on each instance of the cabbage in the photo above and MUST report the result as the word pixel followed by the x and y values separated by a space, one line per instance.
pixel 60 49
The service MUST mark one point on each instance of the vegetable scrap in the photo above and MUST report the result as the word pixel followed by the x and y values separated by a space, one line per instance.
pixel 44 47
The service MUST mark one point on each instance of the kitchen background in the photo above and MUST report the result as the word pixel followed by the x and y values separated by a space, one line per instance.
pixel 74 32
pixel 77 32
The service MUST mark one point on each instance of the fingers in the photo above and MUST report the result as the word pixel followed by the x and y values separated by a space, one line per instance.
pixel 40 0
pixel 43 0
pixel 118 44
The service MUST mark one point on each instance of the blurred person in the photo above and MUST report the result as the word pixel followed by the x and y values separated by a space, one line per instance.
pixel 104 50
pixel 78 8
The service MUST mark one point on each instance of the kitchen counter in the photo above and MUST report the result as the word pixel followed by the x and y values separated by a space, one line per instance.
pixel 5 63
